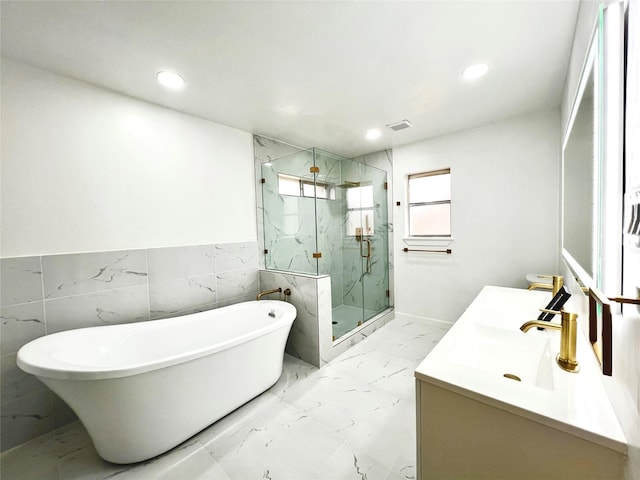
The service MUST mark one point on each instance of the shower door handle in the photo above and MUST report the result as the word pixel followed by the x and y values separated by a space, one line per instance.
pixel 368 254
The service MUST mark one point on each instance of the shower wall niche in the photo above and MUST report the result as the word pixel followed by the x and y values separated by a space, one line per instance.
pixel 323 215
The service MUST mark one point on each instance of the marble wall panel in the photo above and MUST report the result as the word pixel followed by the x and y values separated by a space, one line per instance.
pixel 236 256
pixel 325 328
pixel 237 283
pixel 109 307
pixel 180 262
pixel 265 150
pixel 15 383
pixel 19 324
pixel 81 273
pixel 26 418
pixel 180 294
pixel 303 339
pixel 53 293
pixel 21 280
pixel 289 221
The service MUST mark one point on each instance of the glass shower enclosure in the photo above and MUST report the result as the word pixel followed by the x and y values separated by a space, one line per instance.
pixel 327 215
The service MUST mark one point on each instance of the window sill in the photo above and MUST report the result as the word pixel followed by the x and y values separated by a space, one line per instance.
pixel 428 241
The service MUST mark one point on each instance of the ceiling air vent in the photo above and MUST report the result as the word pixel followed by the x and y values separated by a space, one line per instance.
pixel 400 125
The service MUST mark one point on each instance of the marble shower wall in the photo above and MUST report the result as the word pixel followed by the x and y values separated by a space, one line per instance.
pixel 289 221
pixel 310 295
pixel 266 150
pixel 41 295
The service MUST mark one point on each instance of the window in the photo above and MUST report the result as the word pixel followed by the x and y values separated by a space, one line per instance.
pixel 430 204
pixel 360 210
pixel 303 187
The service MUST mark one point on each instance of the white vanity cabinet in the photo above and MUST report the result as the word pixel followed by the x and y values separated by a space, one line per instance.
pixel 474 423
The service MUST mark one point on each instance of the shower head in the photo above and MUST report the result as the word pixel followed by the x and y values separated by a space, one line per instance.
pixel 347 184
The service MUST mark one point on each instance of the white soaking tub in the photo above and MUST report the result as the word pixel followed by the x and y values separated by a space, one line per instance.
pixel 142 388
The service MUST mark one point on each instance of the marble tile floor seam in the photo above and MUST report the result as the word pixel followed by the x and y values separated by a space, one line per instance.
pixel 352 419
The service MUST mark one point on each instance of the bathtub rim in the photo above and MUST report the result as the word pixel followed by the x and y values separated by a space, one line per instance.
pixel 39 362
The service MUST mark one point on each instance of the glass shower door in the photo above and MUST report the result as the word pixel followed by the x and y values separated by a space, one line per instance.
pixel 365 245
pixel 375 270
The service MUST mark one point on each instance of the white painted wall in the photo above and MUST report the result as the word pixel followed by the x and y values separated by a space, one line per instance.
pixel 86 169
pixel 505 218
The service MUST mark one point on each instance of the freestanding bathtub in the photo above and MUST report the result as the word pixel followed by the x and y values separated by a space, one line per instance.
pixel 142 388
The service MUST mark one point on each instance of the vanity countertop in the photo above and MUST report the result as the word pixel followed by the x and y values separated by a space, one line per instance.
pixel 575 403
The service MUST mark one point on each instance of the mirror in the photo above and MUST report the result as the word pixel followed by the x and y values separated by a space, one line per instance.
pixel 592 154
pixel 579 162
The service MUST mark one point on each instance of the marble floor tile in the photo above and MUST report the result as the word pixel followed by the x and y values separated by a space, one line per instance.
pixel 283 443
pixel 34 459
pixel 379 370
pixel 238 418
pixel 405 339
pixel 352 419
pixel 348 464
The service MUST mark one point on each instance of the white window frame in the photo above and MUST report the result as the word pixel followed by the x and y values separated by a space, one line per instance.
pixel 326 190
pixel 409 234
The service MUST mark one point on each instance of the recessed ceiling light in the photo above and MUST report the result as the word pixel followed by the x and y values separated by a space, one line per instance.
pixel 475 71
pixel 373 133
pixel 170 79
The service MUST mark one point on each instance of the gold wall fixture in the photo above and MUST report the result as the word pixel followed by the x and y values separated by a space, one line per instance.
pixel 314 169
pixel 286 292
pixel 447 251
pixel 628 300
pixel 268 292
pixel 317 255
pixel 600 325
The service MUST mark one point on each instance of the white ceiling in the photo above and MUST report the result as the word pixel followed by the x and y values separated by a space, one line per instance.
pixel 314 73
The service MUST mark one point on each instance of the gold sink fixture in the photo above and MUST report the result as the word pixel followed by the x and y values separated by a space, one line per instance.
pixel 555 285
pixel 566 359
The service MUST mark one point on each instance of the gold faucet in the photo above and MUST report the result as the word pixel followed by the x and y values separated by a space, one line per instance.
pixel 286 292
pixel 268 292
pixel 566 359
pixel 555 286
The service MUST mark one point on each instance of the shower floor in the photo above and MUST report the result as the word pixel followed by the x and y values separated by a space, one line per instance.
pixel 347 318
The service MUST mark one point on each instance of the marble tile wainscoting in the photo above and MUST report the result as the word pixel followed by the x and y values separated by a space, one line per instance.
pixel 41 295
pixel 311 337
pixel 354 418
